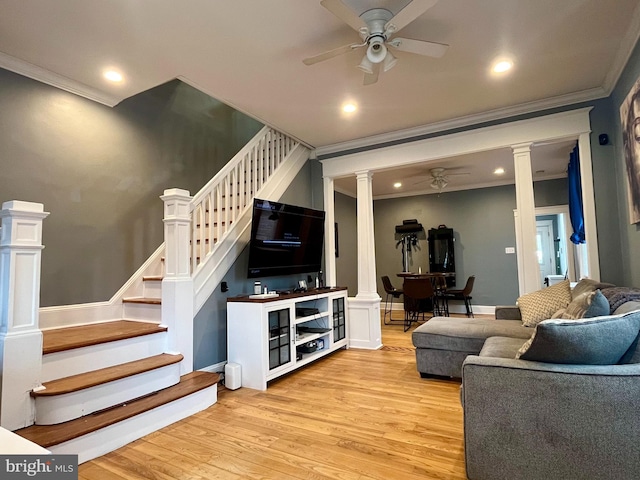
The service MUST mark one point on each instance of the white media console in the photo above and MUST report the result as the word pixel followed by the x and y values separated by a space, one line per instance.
pixel 269 337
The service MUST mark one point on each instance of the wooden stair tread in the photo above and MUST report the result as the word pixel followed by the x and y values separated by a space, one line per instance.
pixel 68 338
pixel 82 381
pixel 150 301
pixel 49 435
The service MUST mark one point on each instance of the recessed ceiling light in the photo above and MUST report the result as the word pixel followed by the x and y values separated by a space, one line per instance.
pixel 397 185
pixel 349 107
pixel 502 66
pixel 113 76
pixel 499 171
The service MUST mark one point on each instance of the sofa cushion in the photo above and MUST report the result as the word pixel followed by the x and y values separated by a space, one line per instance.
pixel 542 304
pixel 465 334
pixel 501 347
pixel 588 304
pixel 589 341
pixel 627 307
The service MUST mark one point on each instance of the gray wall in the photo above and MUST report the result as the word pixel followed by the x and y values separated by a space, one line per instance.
pixel 482 221
pixel 210 324
pixel 347 261
pixel 100 172
pixel 483 225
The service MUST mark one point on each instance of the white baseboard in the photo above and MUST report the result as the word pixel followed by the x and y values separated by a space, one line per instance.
pixel 479 309
pixel 215 368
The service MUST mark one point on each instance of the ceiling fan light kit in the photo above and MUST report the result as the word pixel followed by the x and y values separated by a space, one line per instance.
pixel 365 65
pixel 375 27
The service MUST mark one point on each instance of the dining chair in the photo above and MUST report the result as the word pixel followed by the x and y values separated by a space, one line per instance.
pixel 418 299
pixel 441 305
pixel 464 295
pixel 392 293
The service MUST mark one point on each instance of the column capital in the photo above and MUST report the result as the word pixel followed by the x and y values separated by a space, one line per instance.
pixel 364 174
pixel 521 147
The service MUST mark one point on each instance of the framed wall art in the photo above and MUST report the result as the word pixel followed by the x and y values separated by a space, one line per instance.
pixel 630 122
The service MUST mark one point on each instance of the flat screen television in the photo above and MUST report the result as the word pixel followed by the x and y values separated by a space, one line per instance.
pixel 285 239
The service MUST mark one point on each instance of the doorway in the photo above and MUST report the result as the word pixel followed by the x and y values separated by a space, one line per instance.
pixel 545 249
pixel 555 222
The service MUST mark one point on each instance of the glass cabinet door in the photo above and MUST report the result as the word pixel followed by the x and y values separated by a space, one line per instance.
pixel 339 320
pixel 279 338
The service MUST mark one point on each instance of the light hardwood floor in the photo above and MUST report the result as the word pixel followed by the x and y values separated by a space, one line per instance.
pixel 356 414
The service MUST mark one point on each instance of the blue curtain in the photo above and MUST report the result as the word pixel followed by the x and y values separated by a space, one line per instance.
pixel 575 198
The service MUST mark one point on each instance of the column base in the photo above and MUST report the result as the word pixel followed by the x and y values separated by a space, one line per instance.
pixel 364 322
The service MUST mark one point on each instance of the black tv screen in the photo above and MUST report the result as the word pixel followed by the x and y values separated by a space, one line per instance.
pixel 285 239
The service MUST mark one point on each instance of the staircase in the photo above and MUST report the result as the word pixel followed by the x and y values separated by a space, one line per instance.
pixel 113 372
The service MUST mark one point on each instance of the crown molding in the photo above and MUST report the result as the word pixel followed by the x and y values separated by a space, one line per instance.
pixel 410 134
pixel 50 78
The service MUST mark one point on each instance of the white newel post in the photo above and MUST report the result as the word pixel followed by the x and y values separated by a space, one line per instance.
pixel 177 284
pixel 364 309
pixel 525 221
pixel 20 335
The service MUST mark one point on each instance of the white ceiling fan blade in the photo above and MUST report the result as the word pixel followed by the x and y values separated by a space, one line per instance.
pixel 420 47
pixel 409 13
pixel 371 78
pixel 344 13
pixel 330 54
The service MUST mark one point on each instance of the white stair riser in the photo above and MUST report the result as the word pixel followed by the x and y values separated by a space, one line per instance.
pixel 81 360
pixel 152 288
pixel 142 311
pixel 61 408
pixel 115 436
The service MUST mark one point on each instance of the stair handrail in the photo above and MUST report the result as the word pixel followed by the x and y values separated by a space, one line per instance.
pixel 221 201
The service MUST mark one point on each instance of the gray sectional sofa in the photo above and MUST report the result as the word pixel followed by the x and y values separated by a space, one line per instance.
pixel 531 420
pixel 443 343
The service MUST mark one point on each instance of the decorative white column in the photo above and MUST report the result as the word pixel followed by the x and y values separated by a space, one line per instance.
pixel 528 265
pixel 330 275
pixel 588 205
pixel 20 335
pixel 364 309
pixel 177 284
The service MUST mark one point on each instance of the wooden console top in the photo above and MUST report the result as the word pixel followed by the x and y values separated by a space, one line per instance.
pixel 286 296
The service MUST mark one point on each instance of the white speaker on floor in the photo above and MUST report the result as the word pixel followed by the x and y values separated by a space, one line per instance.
pixel 232 376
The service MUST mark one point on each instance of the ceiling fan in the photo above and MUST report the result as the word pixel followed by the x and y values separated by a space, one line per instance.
pixel 440 178
pixel 376 28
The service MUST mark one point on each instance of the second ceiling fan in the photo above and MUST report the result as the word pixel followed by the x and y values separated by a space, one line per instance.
pixel 377 28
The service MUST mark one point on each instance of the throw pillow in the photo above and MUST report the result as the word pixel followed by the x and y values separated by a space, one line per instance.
pixel 599 306
pixel 587 305
pixel 588 285
pixel 593 341
pixel 542 304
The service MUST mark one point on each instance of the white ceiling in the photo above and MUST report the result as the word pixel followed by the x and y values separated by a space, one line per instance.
pixel 248 54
